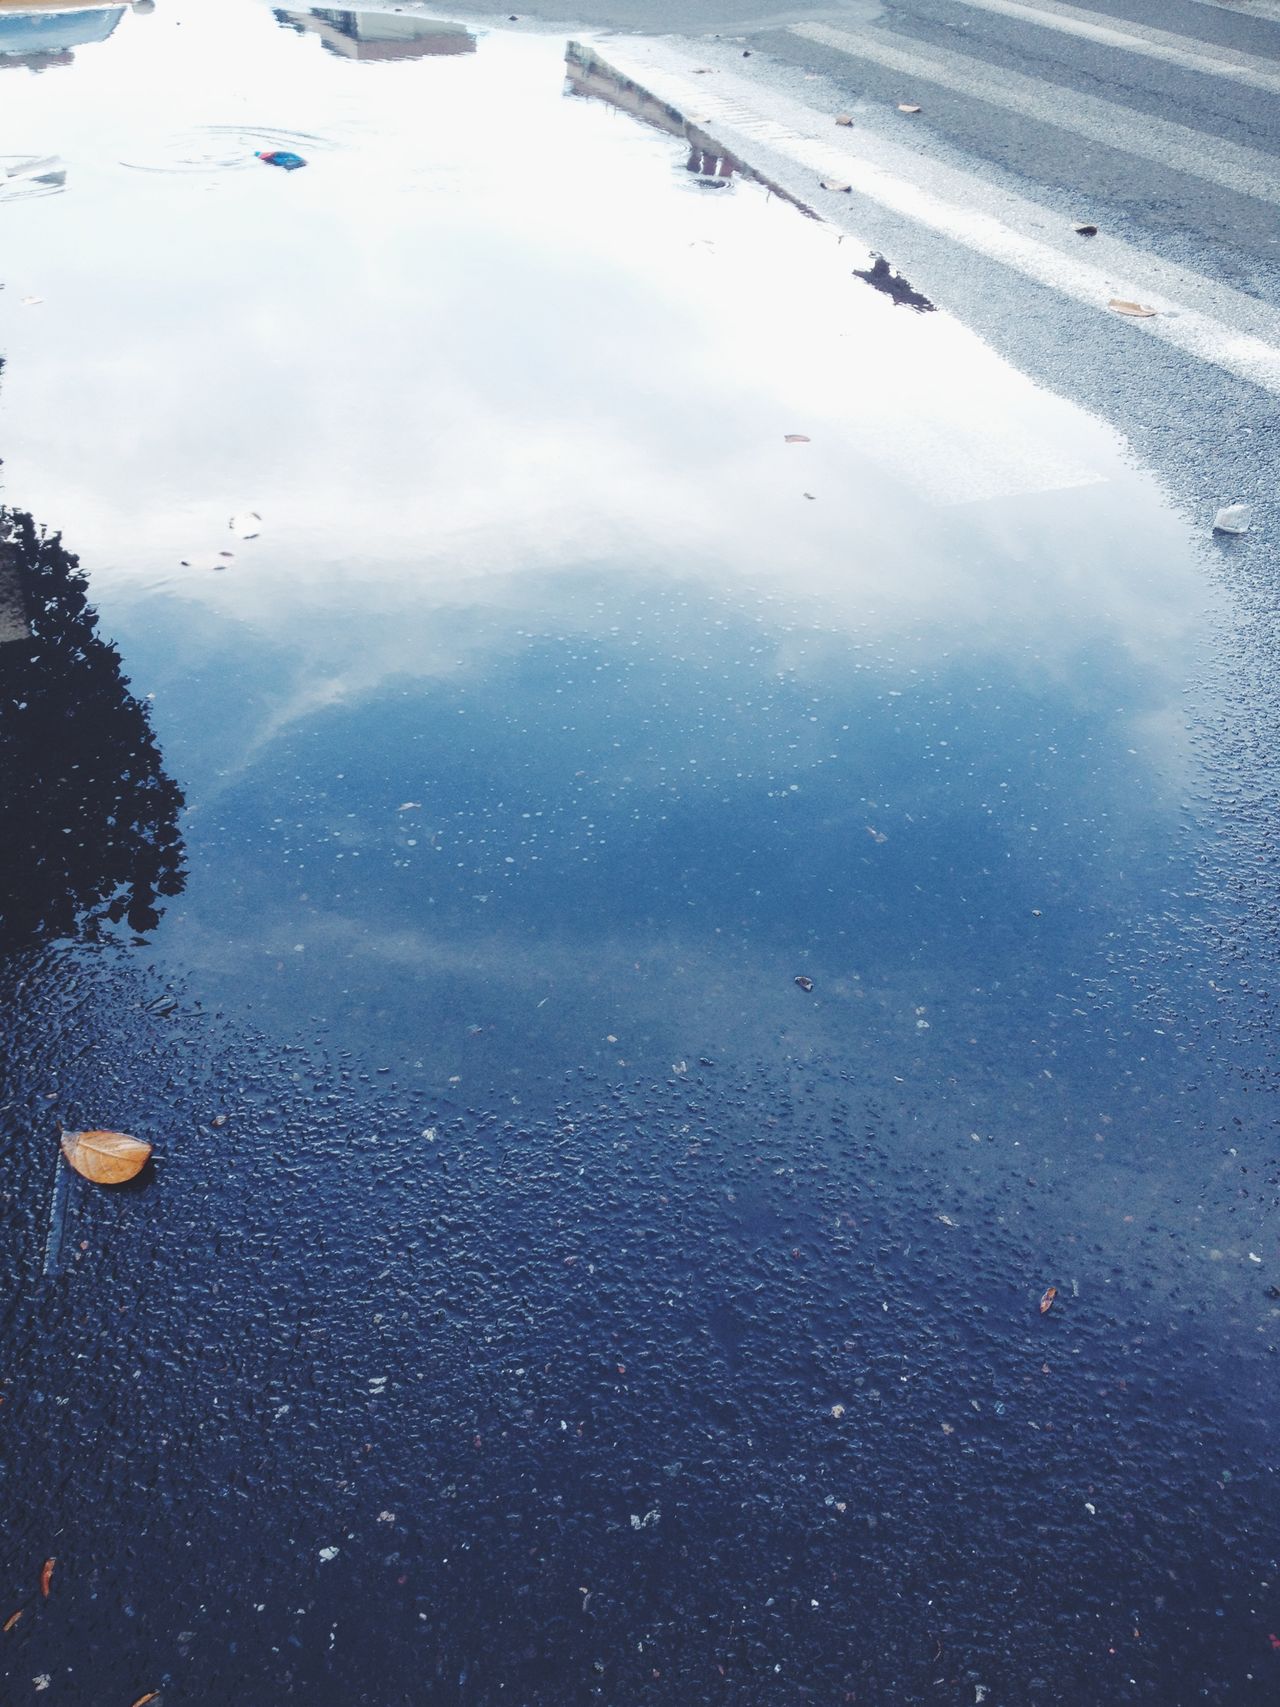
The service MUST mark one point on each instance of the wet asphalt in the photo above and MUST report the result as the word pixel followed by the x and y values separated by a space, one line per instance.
pixel 539 1293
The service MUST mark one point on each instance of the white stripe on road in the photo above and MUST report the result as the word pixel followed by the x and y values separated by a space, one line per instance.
pixel 777 135
pixel 1226 164
pixel 1269 9
pixel 1184 51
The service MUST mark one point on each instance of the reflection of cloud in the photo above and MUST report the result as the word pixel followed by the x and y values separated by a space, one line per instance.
pixel 451 391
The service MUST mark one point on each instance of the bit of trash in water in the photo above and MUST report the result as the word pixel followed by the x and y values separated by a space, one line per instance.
pixel 805 984
pixel 1085 230
pixel 282 157
pixel 1137 310
pixel 1233 518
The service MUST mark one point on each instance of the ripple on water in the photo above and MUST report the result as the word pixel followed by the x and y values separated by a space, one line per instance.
pixel 223 148
pixel 25 176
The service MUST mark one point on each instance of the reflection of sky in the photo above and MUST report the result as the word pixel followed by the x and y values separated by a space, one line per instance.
pixel 510 393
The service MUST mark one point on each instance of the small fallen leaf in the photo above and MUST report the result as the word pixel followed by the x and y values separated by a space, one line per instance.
pixel 1139 310
pixel 151 1695
pixel 796 438
pixel 46 1577
pixel 843 118
pixel 1046 1303
pixel 840 189
pixel 805 984
pixel 809 495
pixel 12 1620
pixel 107 1158
pixel 906 107
pixel 1085 230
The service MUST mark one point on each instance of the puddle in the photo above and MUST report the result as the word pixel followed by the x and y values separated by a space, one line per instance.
pixel 629 828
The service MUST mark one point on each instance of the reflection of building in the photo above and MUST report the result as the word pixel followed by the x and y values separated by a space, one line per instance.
pixel 358 34
pixel 590 76
pixel 38 37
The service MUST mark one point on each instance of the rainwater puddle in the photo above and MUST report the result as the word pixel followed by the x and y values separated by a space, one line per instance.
pixel 649 601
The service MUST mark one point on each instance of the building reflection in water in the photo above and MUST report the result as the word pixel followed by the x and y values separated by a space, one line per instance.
pixel 356 33
pixel 592 78
pixel 89 835
pixel 41 37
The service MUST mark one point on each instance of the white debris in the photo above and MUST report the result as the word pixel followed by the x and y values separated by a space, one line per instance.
pixel 327 1554
pixel 647 1521
pixel 1233 518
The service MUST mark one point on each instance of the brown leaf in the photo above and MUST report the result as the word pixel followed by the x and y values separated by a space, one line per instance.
pixel 795 438
pixel 1046 1303
pixel 46 1577
pixel 843 118
pixel 12 1620
pixel 830 184
pixel 151 1695
pixel 906 107
pixel 107 1158
pixel 1118 305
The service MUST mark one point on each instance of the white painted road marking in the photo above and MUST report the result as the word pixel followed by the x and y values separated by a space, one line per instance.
pixel 1184 51
pixel 1227 164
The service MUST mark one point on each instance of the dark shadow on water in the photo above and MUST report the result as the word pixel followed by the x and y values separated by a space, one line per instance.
pixel 881 276
pixel 89 832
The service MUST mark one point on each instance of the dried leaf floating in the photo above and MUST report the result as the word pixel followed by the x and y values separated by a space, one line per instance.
pixel 1139 310
pixel 906 107
pixel 46 1577
pixel 1046 1303
pixel 151 1695
pixel 107 1158
pixel 12 1620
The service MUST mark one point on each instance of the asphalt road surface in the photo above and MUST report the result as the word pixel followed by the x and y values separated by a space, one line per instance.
pixel 649 781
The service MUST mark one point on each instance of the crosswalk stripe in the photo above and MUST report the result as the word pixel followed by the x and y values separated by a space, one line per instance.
pixel 1184 51
pixel 1226 164
pixel 1268 9
pixel 776 134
